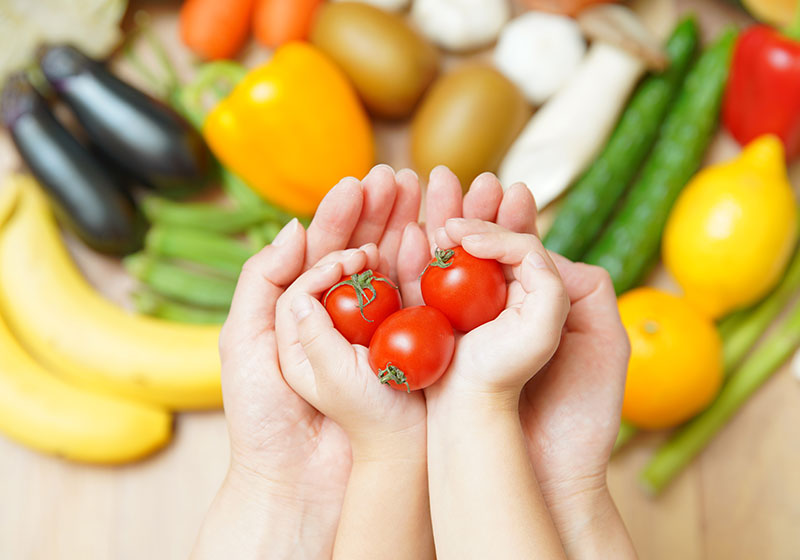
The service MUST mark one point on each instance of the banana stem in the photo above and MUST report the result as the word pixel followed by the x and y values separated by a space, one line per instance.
pixel 178 283
pixel 682 447
pixel 201 215
pixel 149 303
pixel 214 250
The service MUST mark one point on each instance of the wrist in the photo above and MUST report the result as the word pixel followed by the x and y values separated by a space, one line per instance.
pixel 408 444
pixel 458 403
pixel 252 517
pixel 586 518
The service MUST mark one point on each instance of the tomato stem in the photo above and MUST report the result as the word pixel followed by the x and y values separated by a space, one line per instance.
pixel 442 258
pixel 362 283
pixel 393 373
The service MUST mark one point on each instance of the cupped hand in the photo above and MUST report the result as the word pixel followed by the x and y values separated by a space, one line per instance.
pixel 500 356
pixel 571 410
pixel 277 438
pixel 331 374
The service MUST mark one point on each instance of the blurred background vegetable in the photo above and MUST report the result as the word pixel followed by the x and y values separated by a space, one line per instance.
pixel 774 12
pixel 213 29
pixel 467 121
pixel 90 25
pixel 461 25
pixel 630 243
pixel 147 139
pixel 592 199
pixel 763 93
pixel 676 359
pixel 276 22
pixel 90 198
pixel 673 456
pixel 567 131
pixel 389 5
pixel 732 230
pixel 389 64
pixel 539 52
pixel 268 134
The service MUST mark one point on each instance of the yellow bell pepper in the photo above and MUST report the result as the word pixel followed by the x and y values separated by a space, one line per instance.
pixel 292 128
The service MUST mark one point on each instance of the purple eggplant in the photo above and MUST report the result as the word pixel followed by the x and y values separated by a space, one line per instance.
pixel 88 197
pixel 143 136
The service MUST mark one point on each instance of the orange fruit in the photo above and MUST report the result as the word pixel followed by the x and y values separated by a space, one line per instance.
pixel 676 359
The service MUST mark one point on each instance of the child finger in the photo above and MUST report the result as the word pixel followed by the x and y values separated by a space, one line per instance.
pixel 458 228
pixel 335 220
pixel 380 190
pixel 325 348
pixel 483 198
pixel 517 210
pixel 506 247
pixel 546 304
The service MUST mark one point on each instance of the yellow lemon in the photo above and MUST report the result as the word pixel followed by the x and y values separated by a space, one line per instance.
pixel 732 230
pixel 676 359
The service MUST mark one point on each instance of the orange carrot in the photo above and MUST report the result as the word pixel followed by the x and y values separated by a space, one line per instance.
pixel 279 21
pixel 215 28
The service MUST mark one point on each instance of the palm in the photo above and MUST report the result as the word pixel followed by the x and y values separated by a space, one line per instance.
pixel 274 432
pixel 270 425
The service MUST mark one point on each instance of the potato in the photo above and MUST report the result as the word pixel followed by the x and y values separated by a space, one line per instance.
pixel 467 122
pixel 389 63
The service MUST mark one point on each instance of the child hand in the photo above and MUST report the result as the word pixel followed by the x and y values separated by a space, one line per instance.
pixel 500 356
pixel 333 375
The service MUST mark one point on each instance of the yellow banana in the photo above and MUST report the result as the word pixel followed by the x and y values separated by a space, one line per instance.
pixel 42 411
pixel 74 331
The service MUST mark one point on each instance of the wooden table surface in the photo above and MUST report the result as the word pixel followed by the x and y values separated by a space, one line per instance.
pixel 739 500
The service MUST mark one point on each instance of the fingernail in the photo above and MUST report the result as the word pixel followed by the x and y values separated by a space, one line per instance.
pixel 474 238
pixel 407 171
pixel 328 267
pixel 301 306
pixel 536 260
pixel 285 233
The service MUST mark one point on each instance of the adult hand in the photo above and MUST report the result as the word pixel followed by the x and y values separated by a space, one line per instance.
pixel 290 464
pixel 570 414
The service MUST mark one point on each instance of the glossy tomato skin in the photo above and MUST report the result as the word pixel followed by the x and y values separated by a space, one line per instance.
pixel 470 291
pixel 418 341
pixel 342 305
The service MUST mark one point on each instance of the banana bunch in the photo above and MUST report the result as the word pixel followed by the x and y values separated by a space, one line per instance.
pixel 79 376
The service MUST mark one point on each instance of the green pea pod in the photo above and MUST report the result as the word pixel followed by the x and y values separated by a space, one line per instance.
pixel 149 303
pixel 216 251
pixel 592 199
pixel 630 244
pixel 181 284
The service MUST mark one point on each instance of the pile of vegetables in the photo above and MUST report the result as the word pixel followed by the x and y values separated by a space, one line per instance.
pixel 583 104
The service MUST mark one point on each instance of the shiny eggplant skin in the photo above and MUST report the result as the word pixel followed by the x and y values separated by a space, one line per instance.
pixel 143 136
pixel 89 198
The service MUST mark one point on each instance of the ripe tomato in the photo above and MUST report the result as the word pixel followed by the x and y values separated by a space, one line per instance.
pixel 359 304
pixel 412 348
pixel 468 290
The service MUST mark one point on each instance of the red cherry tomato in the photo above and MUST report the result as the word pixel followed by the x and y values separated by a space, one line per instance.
pixel 468 290
pixel 359 303
pixel 412 348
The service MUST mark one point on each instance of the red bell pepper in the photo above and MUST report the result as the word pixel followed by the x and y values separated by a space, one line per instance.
pixel 763 91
